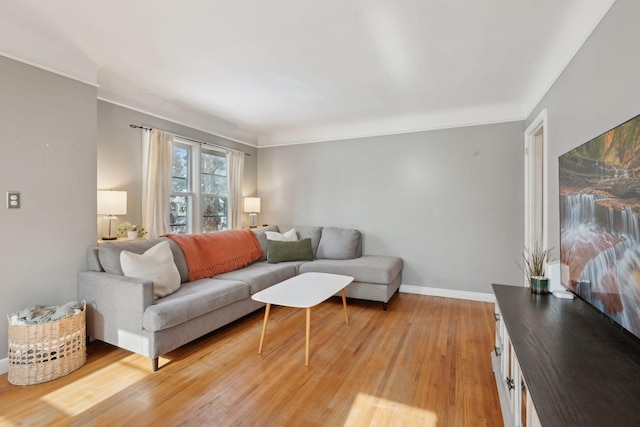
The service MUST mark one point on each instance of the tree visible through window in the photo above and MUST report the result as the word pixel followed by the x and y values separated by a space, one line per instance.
pixel 213 187
pixel 199 189
pixel 179 201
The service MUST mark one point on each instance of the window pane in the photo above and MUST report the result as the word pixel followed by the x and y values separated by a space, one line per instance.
pixel 213 174
pixel 214 224
pixel 178 214
pixel 180 170
pixel 213 164
pixel 212 184
pixel 214 214
pixel 179 185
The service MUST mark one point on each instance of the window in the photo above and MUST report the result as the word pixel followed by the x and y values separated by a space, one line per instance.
pixel 199 189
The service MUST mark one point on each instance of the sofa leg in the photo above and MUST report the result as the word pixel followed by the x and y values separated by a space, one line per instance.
pixel 384 306
pixel 154 363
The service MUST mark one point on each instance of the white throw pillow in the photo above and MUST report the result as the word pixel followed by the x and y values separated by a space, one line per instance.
pixel 155 264
pixel 289 236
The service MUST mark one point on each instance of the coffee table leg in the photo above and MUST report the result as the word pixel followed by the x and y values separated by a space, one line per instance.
pixel 306 355
pixel 344 303
pixel 264 326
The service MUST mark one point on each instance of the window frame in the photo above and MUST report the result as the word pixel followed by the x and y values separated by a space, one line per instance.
pixel 194 192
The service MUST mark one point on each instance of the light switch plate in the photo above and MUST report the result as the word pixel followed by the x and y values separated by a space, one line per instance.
pixel 13 199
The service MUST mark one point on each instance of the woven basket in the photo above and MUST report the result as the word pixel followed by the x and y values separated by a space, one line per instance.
pixel 43 352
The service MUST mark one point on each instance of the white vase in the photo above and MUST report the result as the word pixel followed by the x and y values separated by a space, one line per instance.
pixel 132 235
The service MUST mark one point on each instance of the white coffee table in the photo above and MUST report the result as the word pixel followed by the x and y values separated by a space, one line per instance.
pixel 303 291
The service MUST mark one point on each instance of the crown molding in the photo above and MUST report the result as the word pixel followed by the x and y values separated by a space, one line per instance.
pixel 49 69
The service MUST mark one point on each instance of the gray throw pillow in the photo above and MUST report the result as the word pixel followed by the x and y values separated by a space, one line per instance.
pixel 299 250
pixel 338 243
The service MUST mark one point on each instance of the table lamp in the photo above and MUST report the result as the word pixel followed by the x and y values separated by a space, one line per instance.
pixel 252 206
pixel 110 204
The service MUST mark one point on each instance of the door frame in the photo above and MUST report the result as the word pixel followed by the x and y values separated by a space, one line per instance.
pixel 537 128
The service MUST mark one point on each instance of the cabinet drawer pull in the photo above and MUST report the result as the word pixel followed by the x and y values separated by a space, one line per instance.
pixel 510 383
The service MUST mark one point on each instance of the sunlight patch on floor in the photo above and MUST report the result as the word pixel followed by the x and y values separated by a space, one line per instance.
pixel 378 411
pixel 93 389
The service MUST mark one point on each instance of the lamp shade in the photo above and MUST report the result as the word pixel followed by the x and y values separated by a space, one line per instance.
pixel 252 204
pixel 112 202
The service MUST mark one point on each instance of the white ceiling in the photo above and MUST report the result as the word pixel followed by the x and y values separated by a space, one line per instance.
pixel 289 71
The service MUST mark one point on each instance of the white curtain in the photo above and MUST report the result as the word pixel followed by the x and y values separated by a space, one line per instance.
pixel 157 152
pixel 235 171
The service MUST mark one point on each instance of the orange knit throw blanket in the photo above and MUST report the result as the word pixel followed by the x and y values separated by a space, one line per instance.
pixel 208 254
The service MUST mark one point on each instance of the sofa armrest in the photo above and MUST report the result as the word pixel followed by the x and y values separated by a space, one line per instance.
pixel 115 305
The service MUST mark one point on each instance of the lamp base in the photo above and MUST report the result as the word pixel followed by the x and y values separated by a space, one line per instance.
pixel 253 219
pixel 109 229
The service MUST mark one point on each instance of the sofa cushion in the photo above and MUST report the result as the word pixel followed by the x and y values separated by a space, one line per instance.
pixel 193 299
pixel 304 232
pixel 156 264
pixel 262 238
pixel 367 269
pixel 109 254
pixel 261 275
pixel 289 236
pixel 338 243
pixel 299 250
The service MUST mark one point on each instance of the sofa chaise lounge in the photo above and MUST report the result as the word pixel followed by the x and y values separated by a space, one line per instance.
pixel 122 310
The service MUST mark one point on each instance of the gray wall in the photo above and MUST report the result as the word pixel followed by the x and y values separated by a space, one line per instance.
pixel 120 154
pixel 596 92
pixel 448 202
pixel 48 139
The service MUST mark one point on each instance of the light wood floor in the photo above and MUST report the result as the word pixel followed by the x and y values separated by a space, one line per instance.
pixel 423 362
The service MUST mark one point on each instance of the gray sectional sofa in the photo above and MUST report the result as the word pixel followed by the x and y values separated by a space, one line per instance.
pixel 122 310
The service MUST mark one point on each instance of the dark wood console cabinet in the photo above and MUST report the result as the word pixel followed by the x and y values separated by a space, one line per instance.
pixel 560 362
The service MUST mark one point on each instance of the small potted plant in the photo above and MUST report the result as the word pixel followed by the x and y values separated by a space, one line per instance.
pixel 534 261
pixel 132 231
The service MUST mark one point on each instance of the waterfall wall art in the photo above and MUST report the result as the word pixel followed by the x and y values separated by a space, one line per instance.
pixel 599 227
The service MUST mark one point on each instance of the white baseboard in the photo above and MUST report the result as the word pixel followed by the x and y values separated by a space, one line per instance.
pixel 448 293
pixel 4 365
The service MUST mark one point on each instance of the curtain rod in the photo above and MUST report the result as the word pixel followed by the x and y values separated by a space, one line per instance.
pixel 194 140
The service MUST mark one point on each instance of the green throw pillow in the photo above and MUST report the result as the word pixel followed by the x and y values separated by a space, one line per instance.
pixel 299 250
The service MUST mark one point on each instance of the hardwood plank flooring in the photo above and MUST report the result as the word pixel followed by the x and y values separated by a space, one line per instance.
pixel 423 362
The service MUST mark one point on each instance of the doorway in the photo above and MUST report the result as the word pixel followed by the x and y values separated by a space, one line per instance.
pixel 535 183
